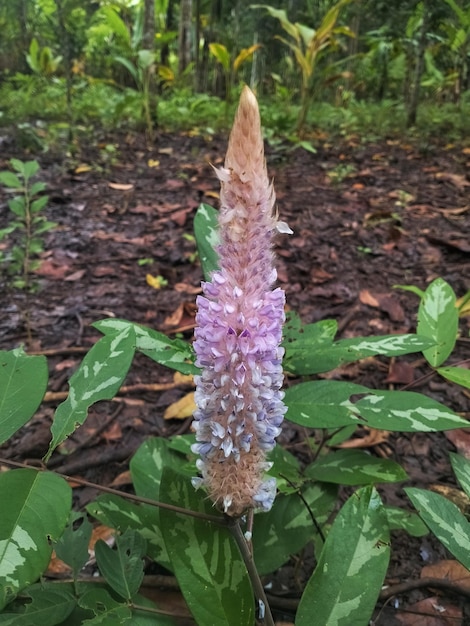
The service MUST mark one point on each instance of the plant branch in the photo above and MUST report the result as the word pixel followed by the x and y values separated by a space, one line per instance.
pixel 247 556
pixel 128 496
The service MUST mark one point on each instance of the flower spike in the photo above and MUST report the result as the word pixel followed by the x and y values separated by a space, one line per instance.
pixel 239 330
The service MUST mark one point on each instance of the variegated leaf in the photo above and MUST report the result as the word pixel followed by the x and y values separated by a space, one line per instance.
pixel 438 319
pixel 173 353
pixel 98 377
pixel 345 585
pixel 36 506
pixel 445 520
pixel 206 231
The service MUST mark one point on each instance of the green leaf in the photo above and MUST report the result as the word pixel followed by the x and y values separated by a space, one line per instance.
pixel 108 611
pixel 399 519
pixel 345 585
pixel 438 318
pixel 17 206
pixel 173 353
pixel 461 467
pixel 49 604
pixel 39 204
pixel 122 568
pixel 37 188
pixel 205 559
pixel 221 54
pixel 10 180
pixel 206 231
pixel 354 467
pixel 458 375
pixel 288 526
pixel 148 463
pixel 72 547
pixel 23 382
pixel 331 404
pixel 121 514
pixel 445 520
pixel 407 411
pixel 98 377
pixel 28 168
pixel 323 403
pixel 315 354
pixel 412 288
pixel 38 508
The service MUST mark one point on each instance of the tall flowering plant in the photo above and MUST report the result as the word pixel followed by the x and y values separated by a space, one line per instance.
pixel 239 330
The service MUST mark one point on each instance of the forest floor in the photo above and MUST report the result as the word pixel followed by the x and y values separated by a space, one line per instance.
pixel 365 216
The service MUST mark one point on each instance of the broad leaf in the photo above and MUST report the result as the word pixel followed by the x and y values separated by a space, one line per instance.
pixel 445 520
pixel 458 375
pixel 461 467
pixel 10 180
pixel 23 382
pixel 72 547
pixel 314 354
pixel 354 467
pixel 288 526
pixel 221 54
pixel 99 377
pixel 48 604
pixel 206 231
pixel 121 514
pixel 399 519
pixel 345 585
pixel 107 610
pixel 323 403
pixel 205 559
pixel 173 353
pixel 37 512
pixel 122 568
pixel 331 404
pixel 438 318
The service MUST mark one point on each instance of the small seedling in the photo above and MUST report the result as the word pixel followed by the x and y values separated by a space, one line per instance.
pixel 21 260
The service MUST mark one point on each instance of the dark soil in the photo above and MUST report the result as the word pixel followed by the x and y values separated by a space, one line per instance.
pixel 365 216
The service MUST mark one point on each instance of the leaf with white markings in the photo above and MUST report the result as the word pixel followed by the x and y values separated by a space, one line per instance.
pixel 331 404
pixel 461 467
pixel 354 467
pixel 288 526
pixel 38 509
pixel 205 558
pixel 23 382
pixel 306 357
pixel 458 375
pixel 206 231
pixel 122 514
pixel 438 319
pixel 173 353
pixel 345 585
pixel 399 519
pixel 445 520
pixel 99 377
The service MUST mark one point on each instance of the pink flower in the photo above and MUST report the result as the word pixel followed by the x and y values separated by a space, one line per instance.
pixel 239 329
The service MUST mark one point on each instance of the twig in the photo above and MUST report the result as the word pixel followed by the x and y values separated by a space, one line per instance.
pixel 438 583
pixel 54 396
pixel 128 496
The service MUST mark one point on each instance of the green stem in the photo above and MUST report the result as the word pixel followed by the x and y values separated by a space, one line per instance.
pixel 258 589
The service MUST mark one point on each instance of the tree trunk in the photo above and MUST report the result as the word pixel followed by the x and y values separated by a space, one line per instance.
pixel 184 40
pixel 148 36
pixel 416 86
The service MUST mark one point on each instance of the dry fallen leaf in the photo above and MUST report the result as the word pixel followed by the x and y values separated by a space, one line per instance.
pixel 431 612
pixel 450 570
pixel 121 186
pixel 182 408
pixel 373 438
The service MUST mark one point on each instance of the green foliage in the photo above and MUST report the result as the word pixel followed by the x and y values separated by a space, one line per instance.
pixel 173 525
pixel 26 207
pixel 42 60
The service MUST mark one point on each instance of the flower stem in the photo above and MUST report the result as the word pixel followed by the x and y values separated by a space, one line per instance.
pixel 247 556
